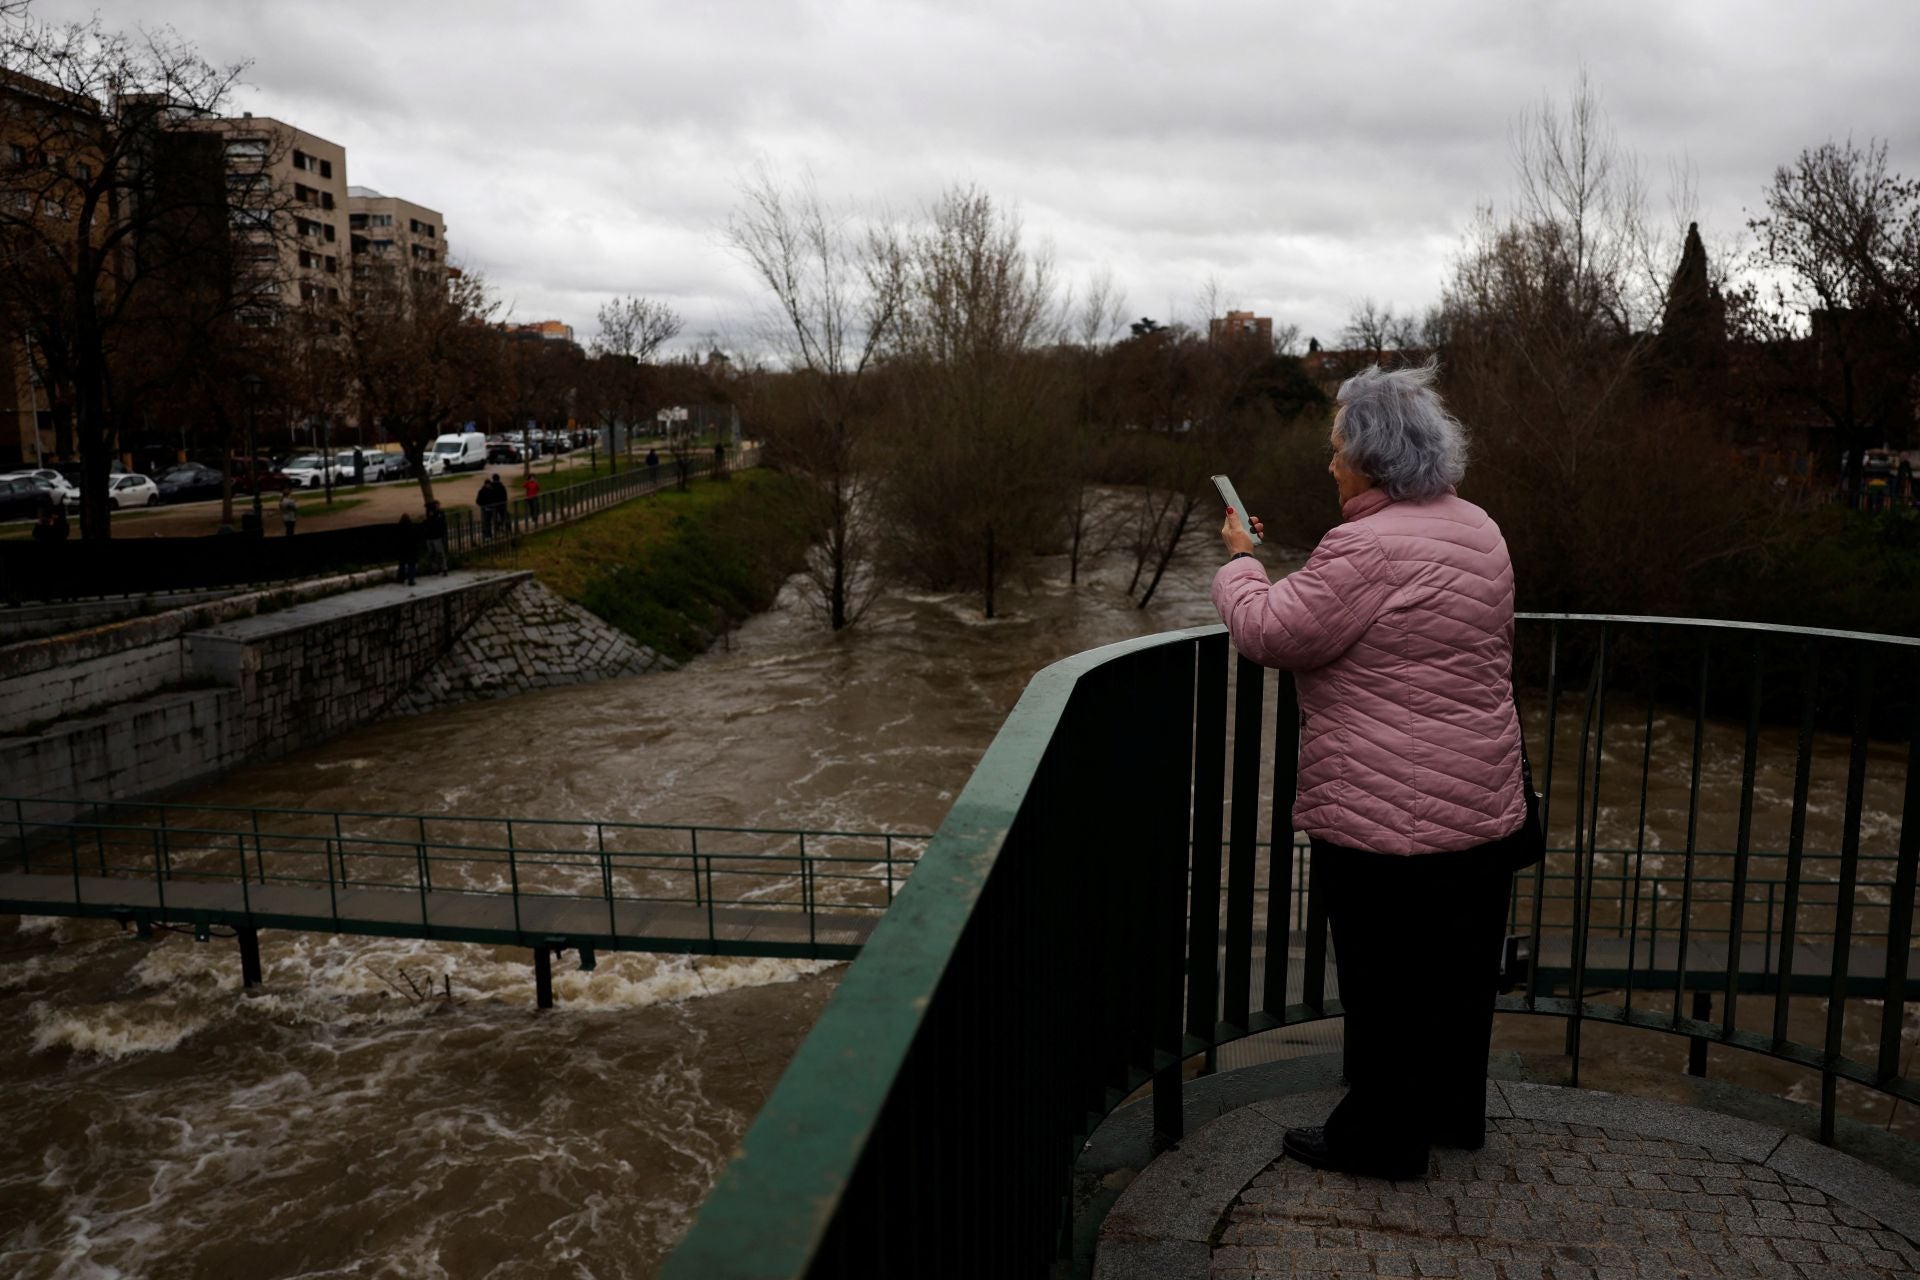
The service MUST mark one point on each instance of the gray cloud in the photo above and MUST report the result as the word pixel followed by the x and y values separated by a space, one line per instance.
pixel 1302 157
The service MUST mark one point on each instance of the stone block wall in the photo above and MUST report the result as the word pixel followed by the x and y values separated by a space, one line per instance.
pixel 529 639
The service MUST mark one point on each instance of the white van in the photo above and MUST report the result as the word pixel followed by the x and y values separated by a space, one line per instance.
pixel 464 451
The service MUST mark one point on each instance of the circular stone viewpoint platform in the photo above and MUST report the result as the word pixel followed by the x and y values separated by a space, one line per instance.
pixel 1571 1183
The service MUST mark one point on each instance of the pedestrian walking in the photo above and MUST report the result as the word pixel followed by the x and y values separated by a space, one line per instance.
pixel 492 500
pixel 289 511
pixel 531 487
pixel 409 547
pixel 45 530
pixel 434 530
pixel 653 468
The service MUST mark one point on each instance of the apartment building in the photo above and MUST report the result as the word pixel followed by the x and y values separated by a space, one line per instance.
pixel 46 158
pixel 278 172
pixel 390 234
pixel 1239 326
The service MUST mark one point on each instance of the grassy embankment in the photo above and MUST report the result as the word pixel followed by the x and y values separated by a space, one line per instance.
pixel 675 570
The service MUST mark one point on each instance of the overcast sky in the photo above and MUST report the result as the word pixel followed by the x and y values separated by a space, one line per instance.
pixel 1303 156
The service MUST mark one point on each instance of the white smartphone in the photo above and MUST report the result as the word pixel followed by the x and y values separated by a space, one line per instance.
pixel 1232 499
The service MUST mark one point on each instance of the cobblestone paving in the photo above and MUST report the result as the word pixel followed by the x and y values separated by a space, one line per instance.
pixel 1545 1201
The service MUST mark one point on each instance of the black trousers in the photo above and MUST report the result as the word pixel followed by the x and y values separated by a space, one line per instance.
pixel 1417 939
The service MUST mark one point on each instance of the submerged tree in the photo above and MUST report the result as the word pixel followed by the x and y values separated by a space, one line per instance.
pixel 837 284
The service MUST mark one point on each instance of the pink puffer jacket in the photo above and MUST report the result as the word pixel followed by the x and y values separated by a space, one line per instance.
pixel 1399 632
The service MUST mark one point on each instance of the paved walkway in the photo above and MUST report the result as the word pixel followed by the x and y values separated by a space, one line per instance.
pixel 1571 1184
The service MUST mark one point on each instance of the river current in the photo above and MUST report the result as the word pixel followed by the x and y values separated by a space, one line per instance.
pixel 348 1119
pixel 400 1109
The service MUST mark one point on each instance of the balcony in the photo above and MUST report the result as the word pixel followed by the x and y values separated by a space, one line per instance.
pixel 1041 1016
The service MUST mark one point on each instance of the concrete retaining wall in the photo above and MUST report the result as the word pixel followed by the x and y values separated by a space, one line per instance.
pixel 152 704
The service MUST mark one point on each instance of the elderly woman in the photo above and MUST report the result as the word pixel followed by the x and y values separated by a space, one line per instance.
pixel 1399 632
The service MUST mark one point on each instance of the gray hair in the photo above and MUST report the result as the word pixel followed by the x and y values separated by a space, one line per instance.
pixel 1396 431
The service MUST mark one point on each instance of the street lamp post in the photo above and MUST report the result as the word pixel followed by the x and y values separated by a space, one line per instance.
pixel 250 386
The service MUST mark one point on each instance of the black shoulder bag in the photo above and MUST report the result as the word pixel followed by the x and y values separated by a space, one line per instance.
pixel 1528 845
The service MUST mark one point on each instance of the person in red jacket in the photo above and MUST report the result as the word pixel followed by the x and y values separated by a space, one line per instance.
pixel 531 488
pixel 1399 632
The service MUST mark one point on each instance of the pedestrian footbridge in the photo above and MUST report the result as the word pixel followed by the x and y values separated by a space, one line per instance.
pixel 547 885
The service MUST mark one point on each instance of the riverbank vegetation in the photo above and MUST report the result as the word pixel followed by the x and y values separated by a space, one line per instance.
pixel 1657 432
pixel 677 569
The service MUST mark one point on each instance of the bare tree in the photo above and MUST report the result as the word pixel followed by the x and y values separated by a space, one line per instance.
pixel 423 356
pixel 837 287
pixel 83 207
pixel 1379 330
pixel 1835 299
pixel 632 331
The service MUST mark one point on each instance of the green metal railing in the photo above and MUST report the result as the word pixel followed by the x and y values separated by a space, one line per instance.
pixel 1044 962
pixel 802 876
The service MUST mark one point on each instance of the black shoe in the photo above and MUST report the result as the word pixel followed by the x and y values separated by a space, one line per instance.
pixel 1310 1147
pixel 1461 1139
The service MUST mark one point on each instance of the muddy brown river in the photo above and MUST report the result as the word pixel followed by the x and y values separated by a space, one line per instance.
pixel 399 1109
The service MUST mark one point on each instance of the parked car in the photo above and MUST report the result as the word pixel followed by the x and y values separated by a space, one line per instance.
pixel 50 481
pixel 190 482
pixel 461 451
pixel 375 464
pixel 504 455
pixel 272 479
pixel 311 470
pixel 126 491
pixel 21 497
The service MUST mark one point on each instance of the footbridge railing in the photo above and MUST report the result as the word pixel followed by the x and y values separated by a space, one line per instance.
pixel 548 884
pixel 1118 891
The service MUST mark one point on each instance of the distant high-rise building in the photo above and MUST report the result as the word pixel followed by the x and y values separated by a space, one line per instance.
pixel 540 331
pixel 390 234
pixel 1241 326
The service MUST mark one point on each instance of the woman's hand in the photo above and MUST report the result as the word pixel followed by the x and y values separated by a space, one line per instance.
pixel 1235 535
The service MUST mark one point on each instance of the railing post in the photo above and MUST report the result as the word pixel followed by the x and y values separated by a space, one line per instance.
pixel 1697 1045
pixel 20 824
pixel 259 862
pixel 426 861
pixel 606 879
pixel 159 872
pixel 694 834
pixel 240 856
pixel 713 938
pixel 513 874
pixel 1893 1014
pixel 420 878
pixel 889 855
pixel 1862 678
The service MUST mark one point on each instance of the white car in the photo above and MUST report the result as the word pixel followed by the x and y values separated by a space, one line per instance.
pixel 125 491
pixel 373 464
pixel 310 471
pixel 57 486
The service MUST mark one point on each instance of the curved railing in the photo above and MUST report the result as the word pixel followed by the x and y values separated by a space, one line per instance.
pixel 1043 962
